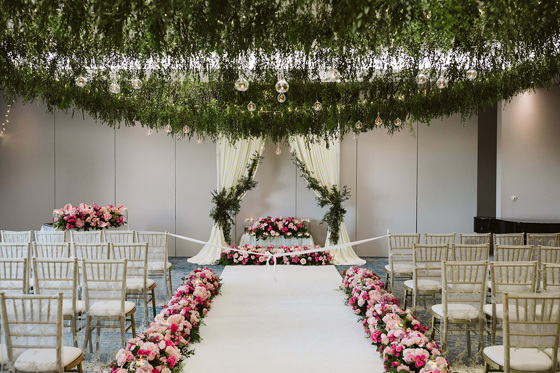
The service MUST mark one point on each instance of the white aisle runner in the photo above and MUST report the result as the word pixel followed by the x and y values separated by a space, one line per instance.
pixel 298 324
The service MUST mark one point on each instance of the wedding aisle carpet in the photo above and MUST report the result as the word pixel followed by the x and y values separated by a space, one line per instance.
pixel 299 323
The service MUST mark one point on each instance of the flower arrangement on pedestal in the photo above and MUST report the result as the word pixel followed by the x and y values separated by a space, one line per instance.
pixel 398 335
pixel 86 217
pixel 164 344
pixel 249 256
pixel 268 227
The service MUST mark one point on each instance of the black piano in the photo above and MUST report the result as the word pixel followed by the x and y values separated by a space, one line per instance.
pixel 493 225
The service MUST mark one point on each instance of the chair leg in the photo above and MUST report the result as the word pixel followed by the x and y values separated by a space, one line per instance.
pixel 480 334
pixel 88 335
pixel 405 298
pixel 469 343
pixel 133 323
pixel 170 284
pixel 154 301
pixel 146 305
pixel 79 368
pixel 443 332
pixel 123 326
pixel 433 333
pixel 486 367
pixel 74 330
pixel 98 337
pixel 493 330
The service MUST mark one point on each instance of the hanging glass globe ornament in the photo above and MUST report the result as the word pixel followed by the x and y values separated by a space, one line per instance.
pixel 472 74
pixel 179 137
pixel 282 86
pixel 358 125
pixel 281 97
pixel 168 128
pixel 136 83
pixel 198 140
pixel 378 121
pixel 251 106
pixel 186 129
pixel 148 132
pixel 317 106
pixel 441 83
pixel 114 88
pixel 81 81
pixel 398 122
pixel 241 84
pixel 278 151
pixel 421 79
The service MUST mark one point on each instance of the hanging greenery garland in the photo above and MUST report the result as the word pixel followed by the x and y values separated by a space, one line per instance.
pixel 159 62
pixel 228 201
pixel 328 196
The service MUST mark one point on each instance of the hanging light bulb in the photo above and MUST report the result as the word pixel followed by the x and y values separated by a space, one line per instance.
pixel 333 75
pixel 281 97
pixel 441 83
pixel 398 122
pixel 251 106
pixel 81 81
pixel 136 83
pixel 317 106
pixel 114 88
pixel 168 128
pixel 179 137
pixel 241 84
pixel 198 140
pixel 378 121
pixel 282 86
pixel 186 129
pixel 471 74
pixel 278 151
pixel 148 132
pixel 358 125
pixel 421 79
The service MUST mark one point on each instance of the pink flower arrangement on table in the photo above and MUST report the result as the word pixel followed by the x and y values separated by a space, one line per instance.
pixel 268 227
pixel 164 344
pixel 86 217
pixel 249 255
pixel 397 333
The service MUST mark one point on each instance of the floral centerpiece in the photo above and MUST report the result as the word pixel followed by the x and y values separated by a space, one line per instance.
pixel 397 333
pixel 268 227
pixel 164 344
pixel 86 217
pixel 256 255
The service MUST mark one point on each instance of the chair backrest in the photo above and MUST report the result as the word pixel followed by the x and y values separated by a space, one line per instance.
pixel 104 281
pixel 531 321
pixel 157 246
pixel 550 277
pixel 474 239
pixel 51 250
pixel 91 251
pixel 509 239
pixel 464 283
pixel 439 239
pixel 400 248
pixel 14 250
pixel 32 322
pixel 136 255
pixel 16 236
pixel 54 276
pixel 512 277
pixel 50 236
pixel 542 239
pixel 118 236
pixel 14 276
pixel 503 253
pixel 549 254
pixel 86 237
pixel 469 253
pixel 427 262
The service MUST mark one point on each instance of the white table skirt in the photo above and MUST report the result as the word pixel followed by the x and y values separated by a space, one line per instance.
pixel 276 241
pixel 50 228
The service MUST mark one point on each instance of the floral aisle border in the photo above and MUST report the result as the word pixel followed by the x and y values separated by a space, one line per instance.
pixel 397 333
pixel 164 344
pixel 253 255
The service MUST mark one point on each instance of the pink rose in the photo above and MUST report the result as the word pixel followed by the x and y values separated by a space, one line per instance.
pixel 67 209
pixel 303 261
pixel 79 223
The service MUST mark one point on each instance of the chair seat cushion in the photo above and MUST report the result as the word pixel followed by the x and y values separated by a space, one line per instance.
pixel 499 310
pixel 524 359
pixel 137 284
pixel 44 360
pixel 401 268
pixel 424 285
pixel 157 266
pixel 457 311
pixel 67 307
pixel 110 308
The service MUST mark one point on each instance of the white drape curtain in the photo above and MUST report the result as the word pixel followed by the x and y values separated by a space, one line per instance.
pixel 324 165
pixel 232 160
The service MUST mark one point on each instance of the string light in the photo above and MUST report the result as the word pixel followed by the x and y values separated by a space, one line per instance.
pixel 378 121
pixel 81 81
pixel 186 129
pixel 282 86
pixel 251 106
pixel 278 150
pixel 398 122
pixel 136 83
pixel 6 120
pixel 441 83
pixel 281 97
pixel 148 132
pixel 317 106
pixel 472 74
pixel 114 88
pixel 241 84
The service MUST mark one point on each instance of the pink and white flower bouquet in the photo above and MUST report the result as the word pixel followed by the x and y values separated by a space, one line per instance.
pixel 257 255
pixel 268 227
pixel 164 344
pixel 86 217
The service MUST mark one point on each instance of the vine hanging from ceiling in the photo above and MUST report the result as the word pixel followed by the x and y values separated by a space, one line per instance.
pixel 351 65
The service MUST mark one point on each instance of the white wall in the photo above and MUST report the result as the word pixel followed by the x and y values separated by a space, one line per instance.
pixel 529 162
pixel 404 182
